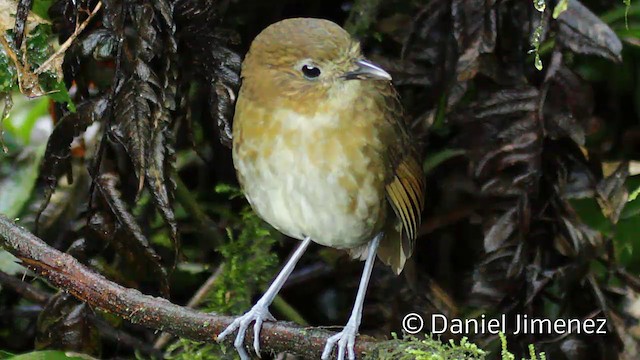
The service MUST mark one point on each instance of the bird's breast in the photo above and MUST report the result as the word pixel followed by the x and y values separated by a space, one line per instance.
pixel 319 175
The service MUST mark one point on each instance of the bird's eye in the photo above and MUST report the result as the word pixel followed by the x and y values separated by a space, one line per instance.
pixel 310 71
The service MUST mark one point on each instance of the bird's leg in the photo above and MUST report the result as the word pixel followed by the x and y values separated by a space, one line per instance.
pixel 260 311
pixel 346 339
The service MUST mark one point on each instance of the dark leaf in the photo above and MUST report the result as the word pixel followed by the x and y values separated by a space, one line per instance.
pixel 561 125
pixel 101 44
pixel 612 192
pixel 474 28
pixel 107 185
pixel 67 15
pixel 631 279
pixel 159 180
pixel 502 133
pixel 114 19
pixel 583 238
pixel 65 324
pixel 577 94
pixel 500 231
pixel 133 122
pixel 22 12
pixel 104 226
pixel 222 101
pixel 209 55
pixel 57 156
pixel 583 32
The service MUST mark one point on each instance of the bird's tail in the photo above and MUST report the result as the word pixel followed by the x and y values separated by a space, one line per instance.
pixel 395 248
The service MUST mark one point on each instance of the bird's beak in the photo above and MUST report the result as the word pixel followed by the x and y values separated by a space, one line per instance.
pixel 367 70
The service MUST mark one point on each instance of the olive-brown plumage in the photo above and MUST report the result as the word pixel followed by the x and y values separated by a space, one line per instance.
pixel 323 154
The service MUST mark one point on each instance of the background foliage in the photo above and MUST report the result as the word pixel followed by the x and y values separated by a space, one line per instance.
pixel 527 113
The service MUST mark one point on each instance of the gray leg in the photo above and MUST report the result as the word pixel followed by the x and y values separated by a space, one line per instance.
pixel 346 339
pixel 260 311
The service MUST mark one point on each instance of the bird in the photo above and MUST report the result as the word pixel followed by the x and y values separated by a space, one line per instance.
pixel 323 153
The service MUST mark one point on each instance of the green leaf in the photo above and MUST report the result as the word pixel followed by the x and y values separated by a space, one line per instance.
pixel 52 355
pixel 632 208
pixel 634 194
pixel 230 190
pixel 23 117
pixel 38 47
pixel 627 6
pixel 8 73
pixel 60 94
pixel 38 51
pixel 627 239
pixel 561 7
pixel 15 190
pixel 590 213
pixel 10 264
pixel 621 12
pixel 439 121
pixel 41 8
pixel 536 38
pixel 433 160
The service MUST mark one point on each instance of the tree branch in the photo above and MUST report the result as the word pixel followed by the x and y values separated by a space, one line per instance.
pixel 36 295
pixel 65 272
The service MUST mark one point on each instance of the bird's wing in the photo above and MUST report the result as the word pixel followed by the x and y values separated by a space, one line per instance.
pixel 405 192
pixel 405 189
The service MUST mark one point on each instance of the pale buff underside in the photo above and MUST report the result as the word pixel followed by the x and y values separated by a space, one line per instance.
pixel 312 175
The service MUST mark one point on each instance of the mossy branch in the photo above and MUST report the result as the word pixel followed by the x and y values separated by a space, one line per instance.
pixel 65 272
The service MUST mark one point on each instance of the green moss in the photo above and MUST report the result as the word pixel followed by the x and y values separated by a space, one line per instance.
pixel 507 355
pixel 249 266
pixel 249 262
pixel 185 349
pixel 429 348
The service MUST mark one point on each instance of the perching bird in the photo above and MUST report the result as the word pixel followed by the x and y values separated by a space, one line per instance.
pixel 323 154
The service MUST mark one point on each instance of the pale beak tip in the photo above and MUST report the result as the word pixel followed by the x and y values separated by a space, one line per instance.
pixel 367 71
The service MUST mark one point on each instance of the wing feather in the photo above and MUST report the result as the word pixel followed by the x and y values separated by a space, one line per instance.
pixel 406 195
pixel 401 205
pixel 404 186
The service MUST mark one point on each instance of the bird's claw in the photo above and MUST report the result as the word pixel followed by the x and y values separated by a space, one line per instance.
pixel 346 340
pixel 258 313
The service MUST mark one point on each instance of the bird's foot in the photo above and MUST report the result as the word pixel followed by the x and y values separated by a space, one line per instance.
pixel 346 340
pixel 258 313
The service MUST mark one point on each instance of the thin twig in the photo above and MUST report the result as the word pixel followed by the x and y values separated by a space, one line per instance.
pixel 202 292
pixel 196 300
pixel 63 48
pixel 25 289
pixel 288 312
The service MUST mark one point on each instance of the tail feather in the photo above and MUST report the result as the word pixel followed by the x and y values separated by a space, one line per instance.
pixel 395 248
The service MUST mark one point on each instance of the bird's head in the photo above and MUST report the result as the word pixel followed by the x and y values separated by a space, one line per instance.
pixel 305 59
